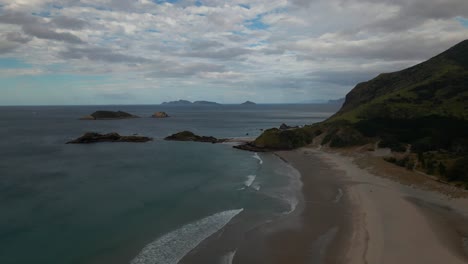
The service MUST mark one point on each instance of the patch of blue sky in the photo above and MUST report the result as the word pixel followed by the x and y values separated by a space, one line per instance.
pixel 110 38
pixel 463 21
pixel 102 8
pixel 42 14
pixel 152 30
pixel 238 33
pixel 160 2
pixel 57 6
pixel 258 44
pixel 246 6
pixel 198 3
pixel 256 23
pixel 13 63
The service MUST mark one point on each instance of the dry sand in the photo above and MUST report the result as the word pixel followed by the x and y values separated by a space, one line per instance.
pixel 364 215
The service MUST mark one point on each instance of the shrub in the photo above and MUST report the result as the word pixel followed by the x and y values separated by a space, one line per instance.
pixel 284 139
pixel 459 170
pixel 392 143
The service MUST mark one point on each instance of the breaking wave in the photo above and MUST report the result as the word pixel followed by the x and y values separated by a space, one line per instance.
pixel 172 247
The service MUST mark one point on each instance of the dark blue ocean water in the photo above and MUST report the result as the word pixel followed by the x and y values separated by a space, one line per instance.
pixel 103 203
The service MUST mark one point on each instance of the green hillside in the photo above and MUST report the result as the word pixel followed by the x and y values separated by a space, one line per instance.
pixel 438 87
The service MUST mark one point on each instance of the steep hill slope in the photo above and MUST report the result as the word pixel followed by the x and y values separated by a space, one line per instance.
pixel 438 86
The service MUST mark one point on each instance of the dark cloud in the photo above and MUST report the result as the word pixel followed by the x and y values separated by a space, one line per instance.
pixel 302 3
pixel 274 51
pixel 413 13
pixel 101 54
pixel 236 38
pixel 205 44
pixel 344 78
pixel 68 22
pixel 18 18
pixel 6 46
pixel 17 37
pixel 42 32
pixel 223 54
pixel 36 27
pixel 407 47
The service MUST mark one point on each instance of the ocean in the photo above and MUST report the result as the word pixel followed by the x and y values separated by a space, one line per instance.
pixel 139 203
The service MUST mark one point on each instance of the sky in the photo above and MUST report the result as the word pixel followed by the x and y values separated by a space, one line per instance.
pixel 69 52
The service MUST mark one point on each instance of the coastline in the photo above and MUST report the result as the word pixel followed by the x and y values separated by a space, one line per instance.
pixel 356 210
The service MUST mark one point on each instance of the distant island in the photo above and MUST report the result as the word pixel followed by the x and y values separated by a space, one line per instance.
pixel 108 115
pixel 185 102
pixel 248 103
pixel 180 102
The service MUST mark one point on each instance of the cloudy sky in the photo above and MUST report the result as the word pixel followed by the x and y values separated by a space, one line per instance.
pixel 268 51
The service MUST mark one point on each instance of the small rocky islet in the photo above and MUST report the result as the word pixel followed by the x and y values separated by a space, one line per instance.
pixel 112 115
pixel 93 137
pixel 108 115
pixel 160 115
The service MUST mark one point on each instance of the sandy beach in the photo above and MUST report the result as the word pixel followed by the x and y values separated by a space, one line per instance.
pixel 359 210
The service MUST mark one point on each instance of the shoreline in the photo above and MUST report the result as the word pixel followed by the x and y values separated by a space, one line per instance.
pixel 377 219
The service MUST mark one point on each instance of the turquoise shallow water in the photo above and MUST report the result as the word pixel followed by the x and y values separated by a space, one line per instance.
pixel 103 203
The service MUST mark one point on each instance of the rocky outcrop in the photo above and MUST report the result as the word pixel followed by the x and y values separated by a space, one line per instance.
pixel 251 147
pixel 284 127
pixel 160 115
pixel 87 117
pixel 189 136
pixel 92 137
pixel 248 103
pixel 107 115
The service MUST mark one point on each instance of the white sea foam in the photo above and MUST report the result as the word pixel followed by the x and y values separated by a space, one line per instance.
pixel 338 196
pixel 228 258
pixel 250 180
pixel 256 186
pixel 292 192
pixel 172 247
pixel 256 156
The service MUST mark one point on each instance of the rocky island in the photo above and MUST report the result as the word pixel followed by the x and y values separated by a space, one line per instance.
pixel 92 137
pixel 108 115
pixel 189 136
pixel 160 115
pixel 248 103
